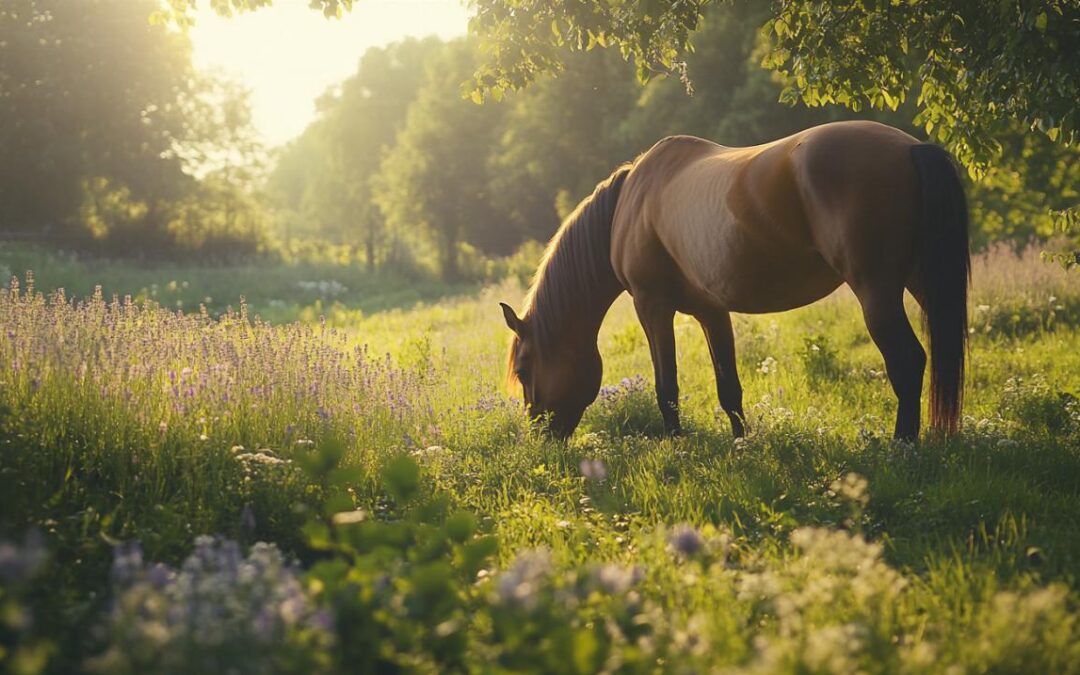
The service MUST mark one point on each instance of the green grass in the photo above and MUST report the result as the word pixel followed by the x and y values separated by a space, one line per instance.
pixel 960 553
pixel 274 290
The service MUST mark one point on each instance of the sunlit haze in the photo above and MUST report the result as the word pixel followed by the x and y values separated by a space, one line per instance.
pixel 288 54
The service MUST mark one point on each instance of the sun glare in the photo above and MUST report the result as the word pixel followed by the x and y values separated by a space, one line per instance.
pixel 289 54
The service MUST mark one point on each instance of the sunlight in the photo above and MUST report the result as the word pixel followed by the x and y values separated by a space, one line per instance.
pixel 289 54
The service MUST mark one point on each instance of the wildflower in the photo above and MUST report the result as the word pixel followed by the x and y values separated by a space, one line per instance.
pixel 127 561
pixel 593 469
pixel 217 599
pixel 247 518
pixel 159 575
pixel 519 585
pixel 686 540
pixel 852 488
pixel 616 579
pixel 20 563
pixel 767 365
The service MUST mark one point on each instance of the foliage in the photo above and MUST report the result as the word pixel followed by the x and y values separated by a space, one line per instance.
pixel 399 585
pixel 436 176
pixel 108 130
pixel 324 178
pixel 87 93
pixel 972 67
pixel 367 172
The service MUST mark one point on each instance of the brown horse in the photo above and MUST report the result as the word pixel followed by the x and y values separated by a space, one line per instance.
pixel 695 227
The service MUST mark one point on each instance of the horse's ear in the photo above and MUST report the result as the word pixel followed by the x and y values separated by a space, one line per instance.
pixel 512 321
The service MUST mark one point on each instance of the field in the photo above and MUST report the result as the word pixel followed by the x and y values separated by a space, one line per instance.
pixel 414 522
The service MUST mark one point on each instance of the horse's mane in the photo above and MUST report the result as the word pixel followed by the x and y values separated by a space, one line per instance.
pixel 575 267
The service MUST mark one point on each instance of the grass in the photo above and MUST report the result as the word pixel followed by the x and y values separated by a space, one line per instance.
pixel 276 291
pixel 817 544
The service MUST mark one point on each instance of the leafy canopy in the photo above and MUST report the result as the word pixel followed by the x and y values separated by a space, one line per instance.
pixel 973 67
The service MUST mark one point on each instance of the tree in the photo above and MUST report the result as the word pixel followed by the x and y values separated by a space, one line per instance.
pixel 436 178
pixel 111 138
pixel 325 175
pixel 89 92
pixel 562 136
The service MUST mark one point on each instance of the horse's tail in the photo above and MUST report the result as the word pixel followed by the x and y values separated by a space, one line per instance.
pixel 944 270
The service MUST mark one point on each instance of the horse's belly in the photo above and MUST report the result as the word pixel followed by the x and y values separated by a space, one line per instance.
pixel 743 275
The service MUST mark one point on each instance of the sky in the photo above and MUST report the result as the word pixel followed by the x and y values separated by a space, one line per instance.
pixel 289 54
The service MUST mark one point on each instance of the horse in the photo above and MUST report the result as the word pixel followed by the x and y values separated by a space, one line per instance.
pixel 695 227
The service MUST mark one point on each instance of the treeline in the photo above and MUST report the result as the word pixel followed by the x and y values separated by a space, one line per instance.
pixel 112 141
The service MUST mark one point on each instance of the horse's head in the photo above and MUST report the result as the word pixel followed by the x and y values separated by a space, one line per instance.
pixel 558 383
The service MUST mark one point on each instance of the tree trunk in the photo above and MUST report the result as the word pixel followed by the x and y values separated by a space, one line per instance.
pixel 450 271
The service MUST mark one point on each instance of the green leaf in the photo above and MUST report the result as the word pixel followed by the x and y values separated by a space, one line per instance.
pixel 460 526
pixel 402 478
pixel 337 500
pixel 346 476
pixel 475 554
pixel 317 535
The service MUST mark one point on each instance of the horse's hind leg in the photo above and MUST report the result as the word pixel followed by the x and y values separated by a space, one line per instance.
pixel 905 360
pixel 718 334
pixel 657 317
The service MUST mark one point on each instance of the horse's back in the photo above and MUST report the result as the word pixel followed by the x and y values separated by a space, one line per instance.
pixel 768 227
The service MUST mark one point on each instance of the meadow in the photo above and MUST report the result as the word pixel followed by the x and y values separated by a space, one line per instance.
pixel 328 480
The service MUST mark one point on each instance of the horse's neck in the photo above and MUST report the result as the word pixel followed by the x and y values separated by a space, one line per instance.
pixel 596 308
pixel 579 319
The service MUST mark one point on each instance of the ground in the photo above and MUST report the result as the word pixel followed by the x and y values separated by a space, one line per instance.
pixel 379 450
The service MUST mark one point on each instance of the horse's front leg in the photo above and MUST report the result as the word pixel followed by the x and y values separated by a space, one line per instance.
pixel 657 317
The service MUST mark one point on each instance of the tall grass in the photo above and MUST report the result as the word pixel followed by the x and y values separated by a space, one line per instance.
pixel 815 545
